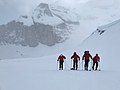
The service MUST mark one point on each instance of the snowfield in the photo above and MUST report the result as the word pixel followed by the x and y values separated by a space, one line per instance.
pixel 42 74
pixel 40 70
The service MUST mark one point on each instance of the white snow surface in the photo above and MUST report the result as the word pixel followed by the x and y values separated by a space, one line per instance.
pixel 43 74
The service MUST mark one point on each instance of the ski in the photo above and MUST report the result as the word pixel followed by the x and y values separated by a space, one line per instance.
pixel 95 70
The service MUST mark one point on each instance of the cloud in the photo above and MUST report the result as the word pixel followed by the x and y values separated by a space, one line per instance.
pixel 1 2
pixel 12 9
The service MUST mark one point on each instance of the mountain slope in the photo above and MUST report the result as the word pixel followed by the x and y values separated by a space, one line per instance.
pixel 48 25
pixel 105 41
pixel 96 13
pixel 41 73
pixel 47 13
pixel 91 15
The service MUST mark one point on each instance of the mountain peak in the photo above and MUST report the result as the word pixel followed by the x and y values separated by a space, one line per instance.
pixel 53 15
pixel 43 5
pixel 43 9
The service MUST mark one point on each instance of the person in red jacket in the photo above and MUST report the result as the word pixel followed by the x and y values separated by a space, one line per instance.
pixel 61 60
pixel 75 58
pixel 96 59
pixel 86 57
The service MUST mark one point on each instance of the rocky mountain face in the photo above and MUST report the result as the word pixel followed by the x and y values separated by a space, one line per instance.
pixel 48 25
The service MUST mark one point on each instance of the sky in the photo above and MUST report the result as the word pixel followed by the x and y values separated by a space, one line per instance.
pixel 12 9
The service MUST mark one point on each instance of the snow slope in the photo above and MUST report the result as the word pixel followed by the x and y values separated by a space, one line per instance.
pixel 106 44
pixel 91 14
pixel 95 13
pixel 41 73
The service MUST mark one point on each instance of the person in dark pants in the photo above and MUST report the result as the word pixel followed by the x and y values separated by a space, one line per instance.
pixel 86 57
pixel 61 61
pixel 75 58
pixel 96 59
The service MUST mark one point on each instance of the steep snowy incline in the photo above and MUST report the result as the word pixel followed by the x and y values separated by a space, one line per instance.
pixel 95 13
pixel 105 41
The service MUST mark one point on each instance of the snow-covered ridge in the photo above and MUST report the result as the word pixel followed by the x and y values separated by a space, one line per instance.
pixel 50 15
pixel 107 27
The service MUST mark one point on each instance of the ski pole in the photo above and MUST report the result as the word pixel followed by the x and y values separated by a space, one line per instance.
pixel 91 65
pixel 82 64
pixel 99 66
pixel 79 64
pixel 57 64
pixel 65 65
pixel 71 63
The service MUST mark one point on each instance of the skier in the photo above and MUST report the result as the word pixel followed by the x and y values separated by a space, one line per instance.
pixel 61 60
pixel 75 58
pixel 96 59
pixel 86 57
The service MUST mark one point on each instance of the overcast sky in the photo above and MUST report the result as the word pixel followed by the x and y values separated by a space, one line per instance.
pixel 12 9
